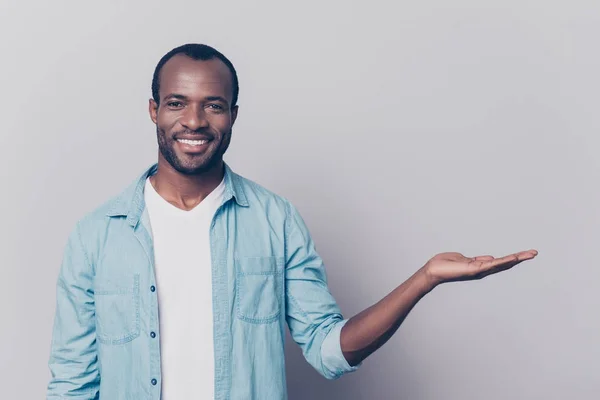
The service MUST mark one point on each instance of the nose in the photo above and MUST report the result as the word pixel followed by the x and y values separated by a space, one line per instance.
pixel 194 118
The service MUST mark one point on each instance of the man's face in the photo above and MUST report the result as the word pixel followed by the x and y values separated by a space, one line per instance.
pixel 194 115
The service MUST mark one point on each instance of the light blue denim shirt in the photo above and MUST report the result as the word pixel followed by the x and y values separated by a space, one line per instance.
pixel 265 273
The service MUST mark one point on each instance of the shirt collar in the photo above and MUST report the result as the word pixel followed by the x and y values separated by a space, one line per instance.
pixel 130 203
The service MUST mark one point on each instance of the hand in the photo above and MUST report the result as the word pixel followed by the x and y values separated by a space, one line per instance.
pixel 451 267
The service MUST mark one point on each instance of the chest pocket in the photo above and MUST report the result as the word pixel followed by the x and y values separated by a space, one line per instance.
pixel 118 310
pixel 259 289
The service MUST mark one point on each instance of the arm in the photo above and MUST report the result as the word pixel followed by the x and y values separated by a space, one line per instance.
pixel 371 328
pixel 334 345
pixel 73 358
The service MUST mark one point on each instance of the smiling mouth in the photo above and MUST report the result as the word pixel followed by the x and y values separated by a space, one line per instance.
pixel 193 142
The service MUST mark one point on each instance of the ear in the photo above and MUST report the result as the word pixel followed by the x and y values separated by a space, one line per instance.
pixel 234 113
pixel 153 110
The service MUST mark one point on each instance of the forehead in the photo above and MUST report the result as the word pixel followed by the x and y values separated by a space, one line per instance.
pixel 195 78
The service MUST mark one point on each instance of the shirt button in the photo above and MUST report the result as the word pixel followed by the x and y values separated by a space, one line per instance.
pixel 152 288
pixel 152 335
pixel 153 382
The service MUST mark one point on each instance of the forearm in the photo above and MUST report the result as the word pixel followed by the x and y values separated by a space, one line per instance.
pixel 370 329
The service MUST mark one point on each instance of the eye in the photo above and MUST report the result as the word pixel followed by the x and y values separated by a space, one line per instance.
pixel 174 104
pixel 215 107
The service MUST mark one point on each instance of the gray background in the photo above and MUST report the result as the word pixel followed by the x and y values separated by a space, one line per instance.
pixel 399 130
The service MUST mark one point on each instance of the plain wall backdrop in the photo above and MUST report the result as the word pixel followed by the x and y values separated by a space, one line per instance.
pixel 399 130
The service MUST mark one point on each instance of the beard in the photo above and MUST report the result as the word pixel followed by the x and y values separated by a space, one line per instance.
pixel 196 164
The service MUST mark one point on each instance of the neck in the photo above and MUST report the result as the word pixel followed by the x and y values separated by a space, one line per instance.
pixel 185 191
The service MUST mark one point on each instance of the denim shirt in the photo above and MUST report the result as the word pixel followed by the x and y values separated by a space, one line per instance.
pixel 265 273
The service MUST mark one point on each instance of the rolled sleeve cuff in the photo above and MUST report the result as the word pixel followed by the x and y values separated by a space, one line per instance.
pixel 332 357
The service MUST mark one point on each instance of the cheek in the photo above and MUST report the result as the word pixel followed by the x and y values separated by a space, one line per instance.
pixel 221 123
pixel 166 121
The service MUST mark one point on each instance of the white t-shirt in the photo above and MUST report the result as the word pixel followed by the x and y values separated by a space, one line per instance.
pixel 184 288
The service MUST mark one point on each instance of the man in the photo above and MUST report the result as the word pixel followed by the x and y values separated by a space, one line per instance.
pixel 181 286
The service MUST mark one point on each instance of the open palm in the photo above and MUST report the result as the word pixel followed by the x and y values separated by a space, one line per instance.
pixel 449 267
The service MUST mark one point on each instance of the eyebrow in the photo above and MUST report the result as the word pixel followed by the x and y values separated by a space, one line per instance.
pixel 182 97
pixel 216 98
pixel 175 96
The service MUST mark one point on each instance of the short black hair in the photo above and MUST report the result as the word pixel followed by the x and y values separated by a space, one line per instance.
pixel 200 52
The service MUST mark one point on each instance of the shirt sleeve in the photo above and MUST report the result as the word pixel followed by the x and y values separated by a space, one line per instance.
pixel 73 357
pixel 313 316
pixel 331 352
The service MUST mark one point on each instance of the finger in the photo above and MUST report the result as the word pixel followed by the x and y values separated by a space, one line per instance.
pixel 494 266
pixel 527 255
pixel 509 261
pixel 498 262
pixel 485 269
pixel 523 255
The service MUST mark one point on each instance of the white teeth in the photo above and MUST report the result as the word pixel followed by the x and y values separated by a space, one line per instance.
pixel 192 142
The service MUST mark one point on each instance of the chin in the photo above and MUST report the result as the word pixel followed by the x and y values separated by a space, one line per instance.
pixel 188 164
pixel 197 169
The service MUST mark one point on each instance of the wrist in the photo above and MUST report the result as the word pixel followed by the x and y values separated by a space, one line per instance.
pixel 430 279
